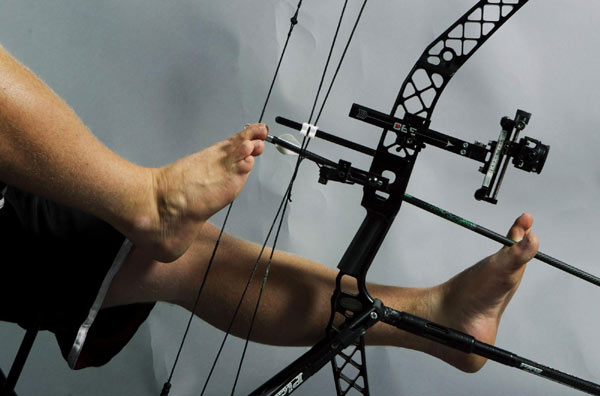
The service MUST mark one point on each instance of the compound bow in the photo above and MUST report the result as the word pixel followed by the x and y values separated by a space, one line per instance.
pixel 406 132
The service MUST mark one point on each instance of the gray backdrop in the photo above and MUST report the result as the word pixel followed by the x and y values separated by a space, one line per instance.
pixel 157 79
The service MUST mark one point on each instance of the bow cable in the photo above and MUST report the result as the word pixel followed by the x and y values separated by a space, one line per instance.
pixel 285 200
pixel 280 213
pixel 287 196
pixel 337 30
pixel 293 23
pixel 167 384
pixel 187 328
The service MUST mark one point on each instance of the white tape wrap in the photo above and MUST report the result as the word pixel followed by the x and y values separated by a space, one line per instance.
pixel 309 130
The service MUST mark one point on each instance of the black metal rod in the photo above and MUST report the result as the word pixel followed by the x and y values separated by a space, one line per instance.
pixel 499 238
pixel 419 132
pixel 469 344
pixel 306 154
pixel 329 137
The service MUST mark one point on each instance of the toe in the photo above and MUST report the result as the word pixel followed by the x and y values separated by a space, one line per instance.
pixel 244 149
pixel 520 227
pixel 520 253
pixel 246 165
pixel 255 132
pixel 259 147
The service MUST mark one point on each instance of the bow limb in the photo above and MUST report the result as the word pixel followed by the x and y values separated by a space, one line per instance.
pixel 442 58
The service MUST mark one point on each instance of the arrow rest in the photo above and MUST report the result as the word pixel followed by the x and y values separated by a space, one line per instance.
pixel 344 172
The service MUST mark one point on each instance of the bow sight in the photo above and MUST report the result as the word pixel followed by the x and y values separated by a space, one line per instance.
pixel 413 132
pixel 528 155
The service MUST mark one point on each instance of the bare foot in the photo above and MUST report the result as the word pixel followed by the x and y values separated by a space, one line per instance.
pixel 474 300
pixel 191 190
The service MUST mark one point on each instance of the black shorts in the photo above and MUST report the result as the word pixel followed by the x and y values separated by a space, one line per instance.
pixel 56 264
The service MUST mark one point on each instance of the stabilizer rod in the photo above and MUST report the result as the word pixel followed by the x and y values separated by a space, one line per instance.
pixel 466 343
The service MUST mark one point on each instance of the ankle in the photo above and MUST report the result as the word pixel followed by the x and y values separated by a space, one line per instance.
pixel 140 221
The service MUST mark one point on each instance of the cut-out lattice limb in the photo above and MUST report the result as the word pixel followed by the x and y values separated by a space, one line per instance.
pixel 350 370
pixel 445 55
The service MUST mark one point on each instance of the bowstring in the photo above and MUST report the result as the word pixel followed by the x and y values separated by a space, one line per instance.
pixel 231 322
pixel 337 30
pixel 167 384
pixel 284 202
pixel 362 8
pixel 293 23
pixel 287 196
pixel 187 328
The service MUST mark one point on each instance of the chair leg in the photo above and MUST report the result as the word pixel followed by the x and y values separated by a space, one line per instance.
pixel 17 366
pixel 2 382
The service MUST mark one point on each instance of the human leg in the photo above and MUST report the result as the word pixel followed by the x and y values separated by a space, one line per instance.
pixel 160 209
pixel 296 303
pixel 297 294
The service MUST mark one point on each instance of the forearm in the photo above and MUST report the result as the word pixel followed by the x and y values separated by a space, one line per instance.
pixel 46 149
